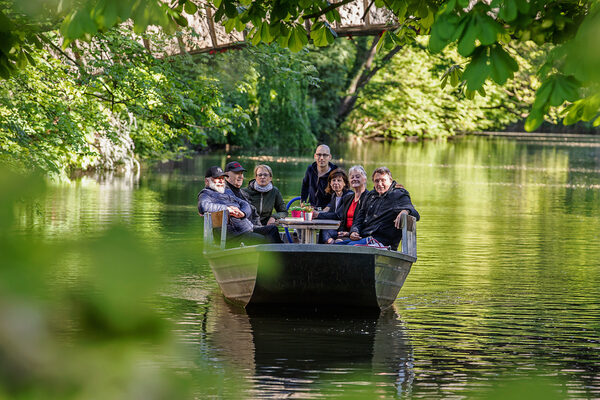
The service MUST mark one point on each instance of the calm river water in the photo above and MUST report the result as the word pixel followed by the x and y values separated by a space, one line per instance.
pixel 506 286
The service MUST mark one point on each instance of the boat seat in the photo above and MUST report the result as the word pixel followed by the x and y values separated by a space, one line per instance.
pixel 215 220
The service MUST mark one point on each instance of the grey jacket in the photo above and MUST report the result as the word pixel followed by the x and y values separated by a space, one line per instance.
pixel 212 201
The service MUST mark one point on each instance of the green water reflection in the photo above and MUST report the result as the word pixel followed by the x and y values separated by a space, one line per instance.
pixel 507 279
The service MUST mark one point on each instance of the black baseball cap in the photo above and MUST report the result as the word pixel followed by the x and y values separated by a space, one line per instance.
pixel 234 166
pixel 215 172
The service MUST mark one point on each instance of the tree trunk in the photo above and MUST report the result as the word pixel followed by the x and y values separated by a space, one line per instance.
pixel 363 75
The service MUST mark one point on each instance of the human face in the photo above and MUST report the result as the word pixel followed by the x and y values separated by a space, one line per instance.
pixel 322 156
pixel 216 184
pixel 235 178
pixel 263 178
pixel 382 182
pixel 337 185
pixel 357 180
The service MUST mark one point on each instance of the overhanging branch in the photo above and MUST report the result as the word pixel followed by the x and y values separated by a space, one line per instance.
pixel 327 9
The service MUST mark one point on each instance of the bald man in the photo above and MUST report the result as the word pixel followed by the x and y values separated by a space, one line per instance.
pixel 315 178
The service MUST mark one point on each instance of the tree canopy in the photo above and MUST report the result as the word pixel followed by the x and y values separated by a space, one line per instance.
pixel 481 31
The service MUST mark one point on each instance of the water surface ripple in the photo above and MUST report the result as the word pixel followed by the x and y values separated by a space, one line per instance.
pixel 506 286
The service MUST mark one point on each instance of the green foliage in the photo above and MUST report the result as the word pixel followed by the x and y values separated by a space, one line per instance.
pixel 481 30
pixel 85 315
pixel 553 92
pixel 570 25
pixel 95 334
pixel 407 100
pixel 108 101
pixel 270 85
pixel 120 105
pixel 335 67
pixel 322 34
pixel 45 120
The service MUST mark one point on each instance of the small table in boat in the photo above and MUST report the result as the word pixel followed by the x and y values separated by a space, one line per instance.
pixel 308 229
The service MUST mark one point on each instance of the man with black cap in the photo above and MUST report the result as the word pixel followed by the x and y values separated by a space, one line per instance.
pixel 234 181
pixel 214 198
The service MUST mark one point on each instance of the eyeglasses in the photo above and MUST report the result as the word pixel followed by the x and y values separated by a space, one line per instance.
pixel 262 175
pixel 322 155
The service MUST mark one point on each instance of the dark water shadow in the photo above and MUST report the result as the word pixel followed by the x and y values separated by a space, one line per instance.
pixel 302 352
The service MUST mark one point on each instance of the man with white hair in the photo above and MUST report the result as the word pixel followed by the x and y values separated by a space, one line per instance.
pixel 213 198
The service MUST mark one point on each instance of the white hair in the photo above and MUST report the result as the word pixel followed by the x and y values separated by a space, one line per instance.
pixel 211 184
pixel 358 168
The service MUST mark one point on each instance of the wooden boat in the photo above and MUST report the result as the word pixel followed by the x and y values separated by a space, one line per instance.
pixel 309 275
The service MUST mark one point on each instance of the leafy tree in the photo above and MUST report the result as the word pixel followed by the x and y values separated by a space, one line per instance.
pixel 482 33
pixel 481 30
pixel 270 84
pixel 118 105
pixel 406 99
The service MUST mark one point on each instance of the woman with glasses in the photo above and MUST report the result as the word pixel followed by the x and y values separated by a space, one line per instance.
pixel 264 196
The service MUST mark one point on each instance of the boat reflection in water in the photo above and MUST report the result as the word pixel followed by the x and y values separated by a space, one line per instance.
pixel 306 355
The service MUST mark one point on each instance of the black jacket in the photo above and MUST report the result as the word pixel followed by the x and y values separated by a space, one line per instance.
pixel 313 186
pixel 238 192
pixel 265 202
pixel 378 212
pixel 332 213
pixel 342 211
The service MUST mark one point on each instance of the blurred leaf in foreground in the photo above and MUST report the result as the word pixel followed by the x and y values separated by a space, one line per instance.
pixel 85 329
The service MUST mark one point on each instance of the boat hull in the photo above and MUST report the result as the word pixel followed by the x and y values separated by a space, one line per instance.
pixel 303 275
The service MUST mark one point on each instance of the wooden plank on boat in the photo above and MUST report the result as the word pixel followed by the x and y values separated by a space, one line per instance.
pixel 409 235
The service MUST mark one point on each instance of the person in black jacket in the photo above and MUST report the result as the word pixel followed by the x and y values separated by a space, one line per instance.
pixel 315 178
pixel 338 187
pixel 381 212
pixel 348 207
pixel 234 182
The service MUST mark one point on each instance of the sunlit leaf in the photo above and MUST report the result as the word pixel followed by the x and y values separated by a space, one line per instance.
pixel 477 71
pixel 489 30
pixel 190 7
pixel 298 38
pixel 502 65
pixel 508 11
pixel 466 44
pixel 534 120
